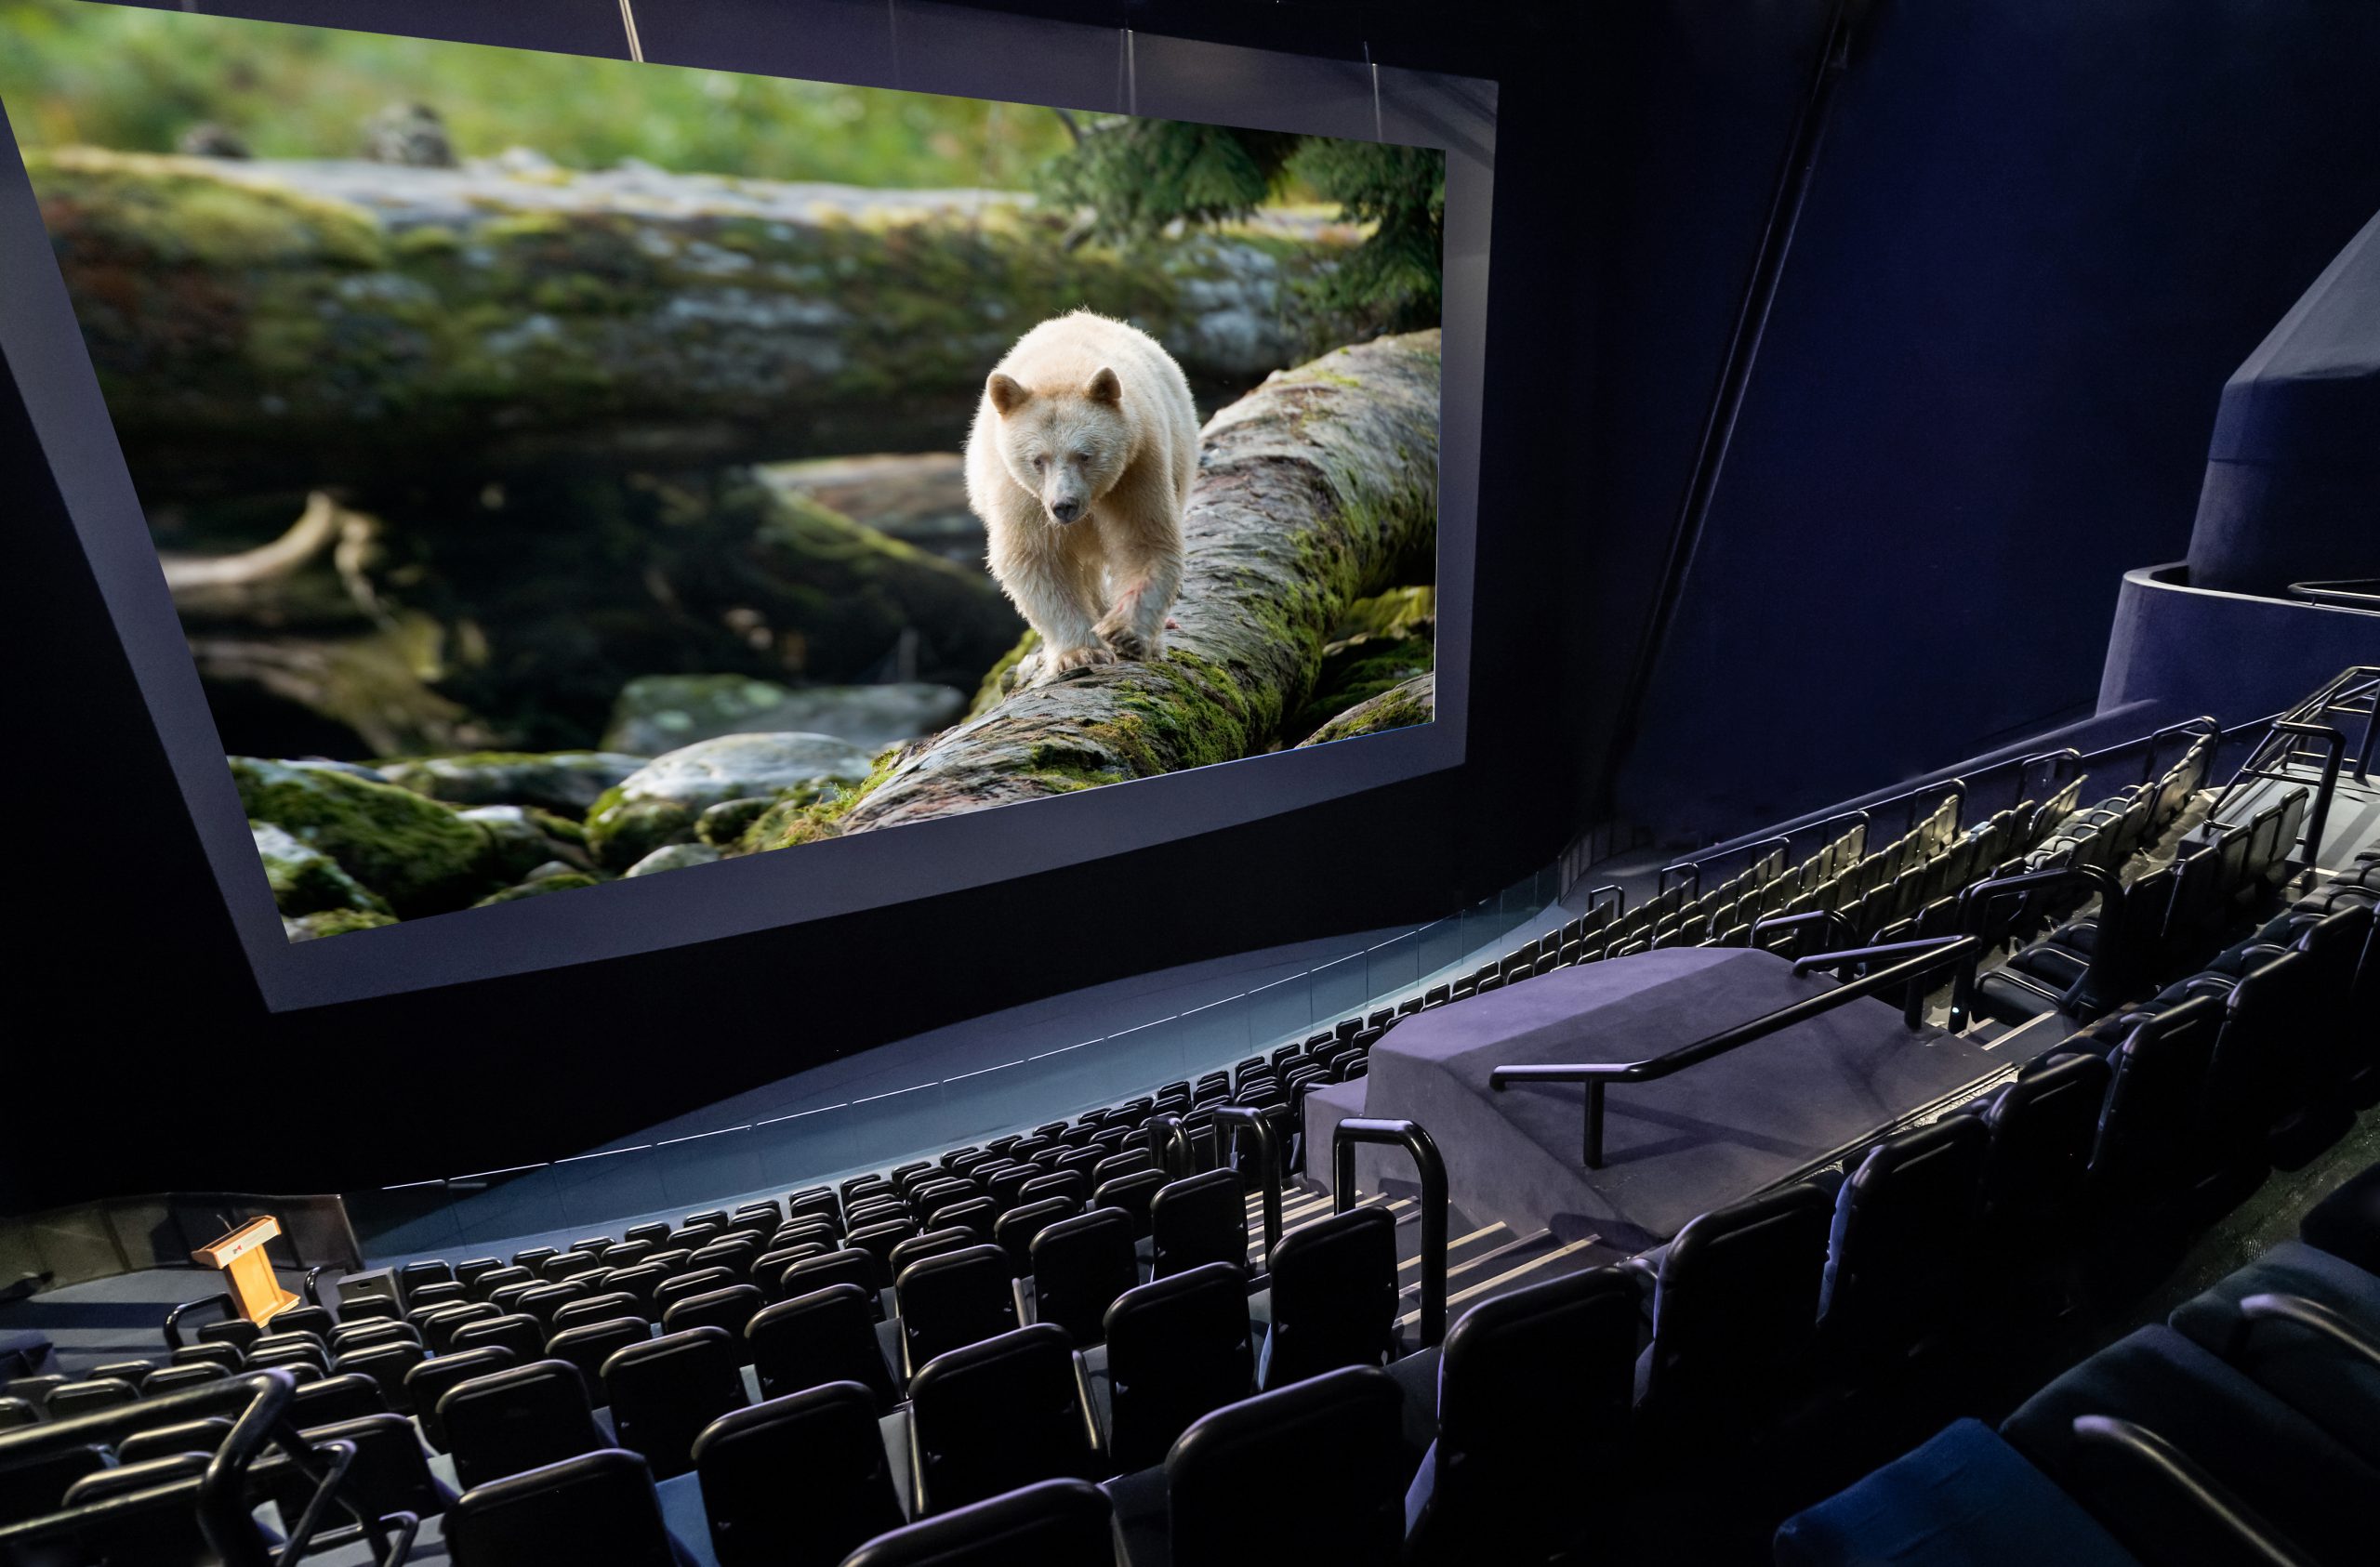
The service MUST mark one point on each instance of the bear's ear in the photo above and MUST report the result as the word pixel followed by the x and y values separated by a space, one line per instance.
pixel 1105 388
pixel 1008 394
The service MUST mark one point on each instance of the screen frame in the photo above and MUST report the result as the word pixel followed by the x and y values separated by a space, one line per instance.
pixel 936 48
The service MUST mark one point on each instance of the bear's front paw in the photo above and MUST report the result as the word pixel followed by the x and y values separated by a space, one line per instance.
pixel 1128 639
pixel 1066 662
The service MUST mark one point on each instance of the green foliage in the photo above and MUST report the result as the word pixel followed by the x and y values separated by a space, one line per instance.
pixel 137 80
pixel 1138 176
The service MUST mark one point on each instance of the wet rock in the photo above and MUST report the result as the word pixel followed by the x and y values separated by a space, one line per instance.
pixel 657 805
pixel 675 856
pixel 723 823
pixel 568 782
pixel 1414 702
pixel 538 886
pixel 333 922
pixel 664 712
pixel 516 840
pixel 415 853
pixel 305 880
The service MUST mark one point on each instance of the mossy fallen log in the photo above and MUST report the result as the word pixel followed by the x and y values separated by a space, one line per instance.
pixel 265 325
pixel 1317 489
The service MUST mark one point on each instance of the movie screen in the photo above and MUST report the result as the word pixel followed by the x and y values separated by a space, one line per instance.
pixel 568 470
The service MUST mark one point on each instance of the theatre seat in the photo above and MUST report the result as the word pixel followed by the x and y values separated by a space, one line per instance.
pixel 1903 1240
pixel 956 1297
pixel 596 1509
pixel 1177 1348
pixel 427 1382
pixel 665 1390
pixel 517 1420
pixel 1053 1524
pixel 1735 1308
pixel 1197 1220
pixel 823 1335
pixel 797 1481
pixel 993 1415
pixel 1334 1297
pixel 1080 1265
pixel 2347 1223
pixel 1964 1500
pixel 1339 1433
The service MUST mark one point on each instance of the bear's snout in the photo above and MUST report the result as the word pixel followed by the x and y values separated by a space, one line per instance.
pixel 1065 510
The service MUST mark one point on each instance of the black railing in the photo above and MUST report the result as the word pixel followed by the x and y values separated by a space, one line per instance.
pixel 2108 1440
pixel 1169 1144
pixel 1979 917
pixel 1926 958
pixel 218 1495
pixel 174 1317
pixel 1830 920
pixel 1268 1164
pixel 1409 1135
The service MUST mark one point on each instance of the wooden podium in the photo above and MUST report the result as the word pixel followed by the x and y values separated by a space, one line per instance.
pixel 246 1269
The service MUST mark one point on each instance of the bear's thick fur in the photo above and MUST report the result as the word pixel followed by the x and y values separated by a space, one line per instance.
pixel 1081 464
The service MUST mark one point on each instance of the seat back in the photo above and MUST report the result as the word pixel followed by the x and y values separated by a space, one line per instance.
pixel 665 1390
pixel 1016 1230
pixel 1334 1296
pixel 727 1309
pixel 951 1298
pixel 427 1382
pixel 517 1420
pixel 390 1473
pixel 1080 1265
pixel 337 1398
pixel 1535 1388
pixel 2143 1151
pixel 1052 1523
pixel 1904 1229
pixel 849 1266
pixel 387 1364
pixel 1736 1304
pixel 1341 1433
pixel 2042 1127
pixel 990 1417
pixel 597 1507
pixel 1177 1348
pixel 824 1336
pixel 588 1344
pixel 516 1331
pixel 797 1481
pixel 1197 1220
pixel 1130 1195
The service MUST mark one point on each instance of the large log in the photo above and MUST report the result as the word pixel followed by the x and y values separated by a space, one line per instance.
pixel 278 325
pixel 1317 489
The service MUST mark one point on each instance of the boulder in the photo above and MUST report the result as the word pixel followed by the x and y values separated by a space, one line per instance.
pixel 1414 702
pixel 657 804
pixel 516 840
pixel 333 922
pixel 567 781
pixel 919 498
pixel 417 854
pixel 664 712
pixel 672 857
pixel 305 880
pixel 538 885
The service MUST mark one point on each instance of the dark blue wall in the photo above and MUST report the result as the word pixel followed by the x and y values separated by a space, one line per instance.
pixel 2039 237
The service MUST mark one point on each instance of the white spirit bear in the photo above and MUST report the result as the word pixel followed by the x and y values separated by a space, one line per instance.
pixel 1079 465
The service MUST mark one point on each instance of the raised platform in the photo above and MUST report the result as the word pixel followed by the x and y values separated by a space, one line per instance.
pixel 1716 1132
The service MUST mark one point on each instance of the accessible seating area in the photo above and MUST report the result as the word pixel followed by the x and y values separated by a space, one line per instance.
pixel 2243 1429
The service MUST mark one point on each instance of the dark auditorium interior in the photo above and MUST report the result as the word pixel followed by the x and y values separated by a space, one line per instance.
pixel 1847 1033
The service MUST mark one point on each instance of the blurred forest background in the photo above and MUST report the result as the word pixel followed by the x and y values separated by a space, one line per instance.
pixel 509 423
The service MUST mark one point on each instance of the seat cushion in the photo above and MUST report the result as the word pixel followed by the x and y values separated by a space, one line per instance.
pixel 2347 1223
pixel 1964 1500
pixel 2285 1467
pixel 2307 1371
pixel 2291 1268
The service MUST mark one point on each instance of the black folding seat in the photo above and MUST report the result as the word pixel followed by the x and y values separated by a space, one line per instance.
pixel 1735 1307
pixel 951 1298
pixel 309 1319
pixel 1073 1185
pixel 1535 1392
pixel 1130 1161
pixel 30 1487
pixel 426 1382
pixel 715 1218
pixel 933 1243
pixel 532 1258
pixel 877 1242
pixel 1052 1523
pixel 623 1253
pixel 975 1215
pixel 567 1264
pixel 1904 1240
pixel 1341 1433
pixel 770 1266
pixel 665 1390
pixel 1197 1220
pixel 386 1363
pixel 517 1420
pixel 1334 1297
pixel 88 1396
pixel 525 1335
pixel 389 1474
pixel 735 1256
pixel 16 1412
pixel 598 1308
pixel 237 1332
pixel 429 1271
pixel 166 1378
pixel 652 1234
pixel 996 1414
pixel 825 1441
pixel 349 1337
pixel 203 1435
pixel 805 1227
pixel 727 1310
pixel 331 1399
pixel 439 1325
pixel 2042 1127
pixel 426 1295
pixel 814 1201
pixel 824 1336
pixel 599 1509
pixel 131 1372
pixel 468 1271
pixel 587 1345
pixel 694 1282
pixel 2145 1151
pixel 638 1283
pixel 1177 1348
pixel 487 1284
pixel 1130 1195
pixel 1016 1229
pixel 357 1308
pixel 1080 1265
pixel 849 1266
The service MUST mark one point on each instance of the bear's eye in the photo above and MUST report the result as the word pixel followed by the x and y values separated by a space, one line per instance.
pixel 1082 456
pixel 1039 464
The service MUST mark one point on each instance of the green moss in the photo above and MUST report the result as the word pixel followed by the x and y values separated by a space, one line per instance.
pixel 333 922
pixel 624 834
pixel 417 854
pixel 791 820
pixel 994 686
pixel 183 212
pixel 537 888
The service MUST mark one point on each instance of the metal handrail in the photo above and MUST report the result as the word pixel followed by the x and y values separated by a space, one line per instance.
pixel 1808 917
pixel 2354 593
pixel 2177 1472
pixel 2313 1316
pixel 1169 1144
pixel 1929 956
pixel 1268 1165
pixel 264 1400
pixel 174 1317
pixel 1432 1166
pixel 1976 902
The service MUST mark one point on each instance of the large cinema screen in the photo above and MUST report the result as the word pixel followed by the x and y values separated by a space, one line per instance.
pixel 568 473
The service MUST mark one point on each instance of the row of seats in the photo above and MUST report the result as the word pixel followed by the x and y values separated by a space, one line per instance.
pixel 2243 1429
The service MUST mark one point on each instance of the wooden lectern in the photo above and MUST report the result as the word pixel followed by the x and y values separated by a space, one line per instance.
pixel 241 1257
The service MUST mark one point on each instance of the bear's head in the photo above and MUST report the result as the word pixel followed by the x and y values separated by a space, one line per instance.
pixel 1068 446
